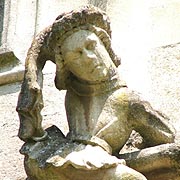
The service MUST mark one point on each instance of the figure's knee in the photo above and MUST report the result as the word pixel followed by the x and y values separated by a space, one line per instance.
pixel 122 172
pixel 127 173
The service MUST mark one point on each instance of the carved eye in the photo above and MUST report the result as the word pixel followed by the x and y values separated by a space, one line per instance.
pixel 91 45
pixel 79 51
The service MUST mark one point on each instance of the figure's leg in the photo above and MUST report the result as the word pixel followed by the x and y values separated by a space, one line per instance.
pixel 115 133
pixel 113 125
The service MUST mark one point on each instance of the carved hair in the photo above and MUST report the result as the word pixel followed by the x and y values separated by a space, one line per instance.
pixel 87 18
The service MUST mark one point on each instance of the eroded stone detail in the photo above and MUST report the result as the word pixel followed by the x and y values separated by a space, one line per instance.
pixel 101 110
pixel 159 162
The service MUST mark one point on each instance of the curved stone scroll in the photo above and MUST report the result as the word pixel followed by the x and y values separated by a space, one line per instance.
pixel 30 100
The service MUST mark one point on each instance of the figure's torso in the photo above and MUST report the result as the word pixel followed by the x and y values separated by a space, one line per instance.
pixel 104 116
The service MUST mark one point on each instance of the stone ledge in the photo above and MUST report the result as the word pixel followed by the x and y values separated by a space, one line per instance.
pixel 10 70
pixel 11 76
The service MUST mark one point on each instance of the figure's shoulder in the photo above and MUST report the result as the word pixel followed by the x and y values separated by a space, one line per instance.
pixel 120 96
pixel 134 96
pixel 126 95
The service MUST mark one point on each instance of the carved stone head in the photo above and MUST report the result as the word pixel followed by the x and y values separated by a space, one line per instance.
pixel 72 34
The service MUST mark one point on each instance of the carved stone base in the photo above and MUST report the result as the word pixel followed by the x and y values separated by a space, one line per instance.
pixel 156 163
pixel 121 172
pixel 41 162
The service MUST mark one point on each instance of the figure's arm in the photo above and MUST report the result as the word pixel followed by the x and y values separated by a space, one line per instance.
pixel 154 127
pixel 30 100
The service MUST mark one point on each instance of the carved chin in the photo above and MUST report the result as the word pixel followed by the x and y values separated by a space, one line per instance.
pixel 100 74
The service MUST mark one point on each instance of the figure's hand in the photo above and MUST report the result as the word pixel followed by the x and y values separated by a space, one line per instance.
pixel 27 131
pixel 92 158
pixel 29 106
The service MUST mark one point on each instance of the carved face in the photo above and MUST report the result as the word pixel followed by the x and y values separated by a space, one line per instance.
pixel 86 57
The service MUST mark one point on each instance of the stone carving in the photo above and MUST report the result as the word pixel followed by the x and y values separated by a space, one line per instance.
pixel 157 163
pixel 101 110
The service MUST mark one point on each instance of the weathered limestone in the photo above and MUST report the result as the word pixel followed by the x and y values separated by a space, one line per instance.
pixel 126 20
pixel 9 71
pixel 156 163
pixel 7 59
pixel 39 166
pixel 101 110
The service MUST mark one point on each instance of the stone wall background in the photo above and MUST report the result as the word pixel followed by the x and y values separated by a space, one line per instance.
pixel 145 34
pixel 164 68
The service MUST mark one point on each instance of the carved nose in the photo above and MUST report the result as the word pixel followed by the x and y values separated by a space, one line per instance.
pixel 89 54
